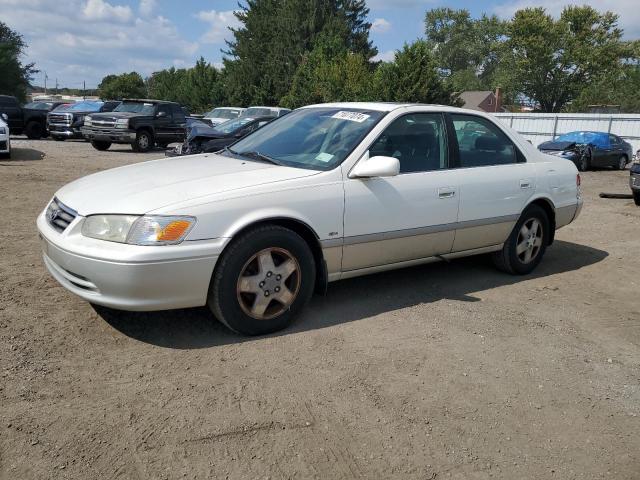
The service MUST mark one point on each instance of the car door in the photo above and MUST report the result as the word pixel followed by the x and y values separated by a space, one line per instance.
pixel 178 124
pixel 494 179
pixel 409 216
pixel 10 107
pixel 617 150
pixel 162 124
pixel 601 152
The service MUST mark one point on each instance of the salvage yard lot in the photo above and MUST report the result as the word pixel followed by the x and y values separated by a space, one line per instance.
pixel 440 371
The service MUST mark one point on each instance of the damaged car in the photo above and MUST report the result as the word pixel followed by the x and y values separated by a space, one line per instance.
pixel 590 149
pixel 201 138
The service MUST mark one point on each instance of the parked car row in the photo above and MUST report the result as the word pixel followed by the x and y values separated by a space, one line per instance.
pixel 30 119
pixel 66 121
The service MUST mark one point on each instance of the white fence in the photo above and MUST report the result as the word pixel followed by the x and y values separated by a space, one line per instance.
pixel 540 127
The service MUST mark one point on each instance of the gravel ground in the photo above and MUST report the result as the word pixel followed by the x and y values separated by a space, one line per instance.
pixel 441 371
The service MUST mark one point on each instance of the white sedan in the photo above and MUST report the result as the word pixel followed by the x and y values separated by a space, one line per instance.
pixel 5 141
pixel 324 193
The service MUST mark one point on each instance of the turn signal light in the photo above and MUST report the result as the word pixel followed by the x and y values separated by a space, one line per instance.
pixel 174 231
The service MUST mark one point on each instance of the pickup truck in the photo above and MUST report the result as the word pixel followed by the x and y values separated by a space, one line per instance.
pixel 137 122
pixel 66 121
pixel 30 119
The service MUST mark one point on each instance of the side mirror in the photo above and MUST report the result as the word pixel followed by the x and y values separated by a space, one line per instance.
pixel 161 114
pixel 4 116
pixel 376 167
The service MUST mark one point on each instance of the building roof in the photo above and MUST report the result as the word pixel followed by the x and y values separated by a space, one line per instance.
pixel 473 98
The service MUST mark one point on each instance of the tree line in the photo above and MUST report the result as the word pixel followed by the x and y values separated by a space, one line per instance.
pixel 295 52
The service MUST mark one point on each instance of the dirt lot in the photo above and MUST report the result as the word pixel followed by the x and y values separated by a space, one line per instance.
pixel 442 371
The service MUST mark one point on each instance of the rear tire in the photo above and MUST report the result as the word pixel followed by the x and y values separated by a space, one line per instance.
pixel 525 247
pixel 34 131
pixel 636 198
pixel 143 142
pixel 622 163
pixel 262 280
pixel 99 145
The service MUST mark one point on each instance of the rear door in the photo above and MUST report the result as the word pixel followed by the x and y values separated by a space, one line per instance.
pixel 495 182
pixel 178 124
pixel 163 124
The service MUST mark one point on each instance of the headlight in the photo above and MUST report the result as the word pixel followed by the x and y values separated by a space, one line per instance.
pixel 122 123
pixel 88 121
pixel 3 130
pixel 135 230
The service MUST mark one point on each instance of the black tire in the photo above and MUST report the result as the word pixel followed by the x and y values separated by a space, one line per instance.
pixel 621 164
pixel 584 163
pixel 143 142
pixel 636 198
pixel 5 155
pixel 34 131
pixel 224 297
pixel 100 145
pixel 58 139
pixel 507 259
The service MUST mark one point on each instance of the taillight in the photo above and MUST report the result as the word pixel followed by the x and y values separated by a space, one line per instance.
pixel 578 180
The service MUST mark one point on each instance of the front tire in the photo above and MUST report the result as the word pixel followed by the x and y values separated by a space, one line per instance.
pixel 636 198
pixel 262 280
pixel 143 142
pixel 100 145
pixel 584 163
pixel 525 247
pixel 622 163
pixel 34 131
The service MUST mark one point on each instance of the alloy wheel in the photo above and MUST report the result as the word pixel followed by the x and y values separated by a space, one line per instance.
pixel 268 283
pixel 529 240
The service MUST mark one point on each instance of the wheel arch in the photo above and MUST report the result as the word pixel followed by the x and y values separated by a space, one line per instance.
pixel 547 205
pixel 303 229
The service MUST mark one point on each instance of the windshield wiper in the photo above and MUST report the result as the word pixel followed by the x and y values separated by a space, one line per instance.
pixel 259 156
pixel 232 152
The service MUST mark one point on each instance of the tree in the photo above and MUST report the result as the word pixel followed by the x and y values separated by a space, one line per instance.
pixel 413 77
pixel 621 89
pixel 329 73
pixel 275 37
pixel 14 76
pixel 465 49
pixel 126 85
pixel 552 61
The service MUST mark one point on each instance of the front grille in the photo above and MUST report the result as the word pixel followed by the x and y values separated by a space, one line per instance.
pixel 3 145
pixel 103 122
pixel 59 215
pixel 60 118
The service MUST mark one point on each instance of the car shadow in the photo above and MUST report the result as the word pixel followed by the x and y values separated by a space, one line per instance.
pixel 19 154
pixel 353 299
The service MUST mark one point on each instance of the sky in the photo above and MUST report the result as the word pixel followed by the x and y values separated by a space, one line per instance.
pixel 84 40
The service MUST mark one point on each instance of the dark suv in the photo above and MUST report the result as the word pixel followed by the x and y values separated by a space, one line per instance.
pixel 66 121
pixel 140 123
pixel 30 119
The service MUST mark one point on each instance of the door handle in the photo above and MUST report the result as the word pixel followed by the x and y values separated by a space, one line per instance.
pixel 446 193
pixel 524 184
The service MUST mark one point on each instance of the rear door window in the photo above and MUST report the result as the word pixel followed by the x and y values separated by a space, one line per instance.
pixel 481 143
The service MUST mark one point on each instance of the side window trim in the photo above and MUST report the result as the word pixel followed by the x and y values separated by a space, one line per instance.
pixel 447 139
pixel 520 158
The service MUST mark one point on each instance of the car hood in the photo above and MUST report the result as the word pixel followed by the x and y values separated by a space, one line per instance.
pixel 143 187
pixel 117 115
pixel 557 146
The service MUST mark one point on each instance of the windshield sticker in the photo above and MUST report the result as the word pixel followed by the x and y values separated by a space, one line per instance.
pixel 324 157
pixel 351 116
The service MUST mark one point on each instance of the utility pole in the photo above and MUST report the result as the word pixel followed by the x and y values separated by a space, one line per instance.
pixel 45 83
pixel 84 90
pixel 56 86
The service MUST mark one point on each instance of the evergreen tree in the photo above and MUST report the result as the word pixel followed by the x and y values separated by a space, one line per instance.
pixel 14 76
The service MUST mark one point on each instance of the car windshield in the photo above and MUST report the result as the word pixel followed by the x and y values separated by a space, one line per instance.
pixel 259 112
pixel 135 107
pixel 578 137
pixel 63 107
pixel 85 107
pixel 313 138
pixel 232 125
pixel 223 113
pixel 39 105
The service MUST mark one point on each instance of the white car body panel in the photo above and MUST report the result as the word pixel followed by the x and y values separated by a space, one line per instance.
pixel 361 225
pixel 5 137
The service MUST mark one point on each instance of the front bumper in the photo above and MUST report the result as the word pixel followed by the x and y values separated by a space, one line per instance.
pixel 65 131
pixel 129 277
pixel 113 135
pixel 5 144
pixel 634 180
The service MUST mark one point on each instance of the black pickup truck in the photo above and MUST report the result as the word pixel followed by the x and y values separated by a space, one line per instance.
pixel 140 123
pixel 30 119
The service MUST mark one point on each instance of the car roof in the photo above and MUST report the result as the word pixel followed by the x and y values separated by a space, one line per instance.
pixel 148 100
pixel 391 106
